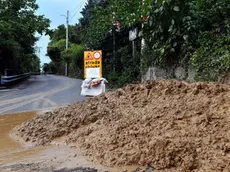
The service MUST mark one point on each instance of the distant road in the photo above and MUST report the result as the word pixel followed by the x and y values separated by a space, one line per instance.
pixel 40 93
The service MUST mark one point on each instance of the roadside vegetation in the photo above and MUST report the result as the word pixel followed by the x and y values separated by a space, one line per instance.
pixel 189 33
pixel 19 26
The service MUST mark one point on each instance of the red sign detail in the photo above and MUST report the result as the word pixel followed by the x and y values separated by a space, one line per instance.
pixel 89 57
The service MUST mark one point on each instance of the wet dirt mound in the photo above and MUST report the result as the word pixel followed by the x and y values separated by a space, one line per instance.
pixel 164 124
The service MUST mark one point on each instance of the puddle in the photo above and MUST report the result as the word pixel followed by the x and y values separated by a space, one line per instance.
pixel 11 150
pixel 7 123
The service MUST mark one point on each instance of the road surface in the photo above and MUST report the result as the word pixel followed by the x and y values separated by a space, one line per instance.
pixel 40 93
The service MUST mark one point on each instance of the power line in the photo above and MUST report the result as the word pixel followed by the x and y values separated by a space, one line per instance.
pixel 79 7
pixel 77 10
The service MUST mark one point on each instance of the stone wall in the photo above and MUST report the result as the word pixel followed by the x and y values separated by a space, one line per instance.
pixel 180 73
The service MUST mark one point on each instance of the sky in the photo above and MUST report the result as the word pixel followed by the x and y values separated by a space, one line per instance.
pixel 53 9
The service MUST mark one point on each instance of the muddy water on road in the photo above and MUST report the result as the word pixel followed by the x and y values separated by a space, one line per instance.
pixel 7 123
pixel 11 150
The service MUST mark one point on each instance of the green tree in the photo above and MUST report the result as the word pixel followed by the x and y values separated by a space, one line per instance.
pixel 74 57
pixel 98 29
pixel 18 25
pixel 55 48
pixel 60 55
pixel 189 33
pixel 30 63
pixel 176 32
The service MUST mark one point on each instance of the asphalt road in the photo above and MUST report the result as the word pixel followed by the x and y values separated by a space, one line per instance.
pixel 40 93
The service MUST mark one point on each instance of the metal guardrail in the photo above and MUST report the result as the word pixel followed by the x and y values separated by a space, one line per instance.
pixel 35 73
pixel 9 80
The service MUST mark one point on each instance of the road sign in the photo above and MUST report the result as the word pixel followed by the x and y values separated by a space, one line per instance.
pixel 93 64
pixel 133 34
pixel 89 56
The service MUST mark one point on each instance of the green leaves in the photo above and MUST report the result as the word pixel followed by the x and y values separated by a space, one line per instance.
pixel 170 32
pixel 212 59
pixel 196 30
pixel 20 23
pixel 60 55
pixel 175 31
pixel 55 48
pixel 74 55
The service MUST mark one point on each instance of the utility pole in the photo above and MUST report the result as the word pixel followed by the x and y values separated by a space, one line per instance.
pixel 67 39
pixel 38 52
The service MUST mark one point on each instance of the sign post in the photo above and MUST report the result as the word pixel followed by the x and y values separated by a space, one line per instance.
pixel 132 36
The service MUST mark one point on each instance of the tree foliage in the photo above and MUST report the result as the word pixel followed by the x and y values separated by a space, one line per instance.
pixel 60 55
pixel 188 33
pixel 105 25
pixel 18 25
pixel 178 33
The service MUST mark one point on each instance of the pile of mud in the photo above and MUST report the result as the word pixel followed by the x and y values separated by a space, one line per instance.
pixel 163 124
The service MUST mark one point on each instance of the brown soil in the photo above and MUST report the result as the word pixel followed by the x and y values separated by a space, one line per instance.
pixel 165 124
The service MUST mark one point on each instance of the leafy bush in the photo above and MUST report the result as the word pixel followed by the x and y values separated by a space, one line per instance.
pixel 212 59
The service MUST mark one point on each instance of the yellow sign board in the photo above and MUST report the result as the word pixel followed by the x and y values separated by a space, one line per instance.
pixel 93 64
